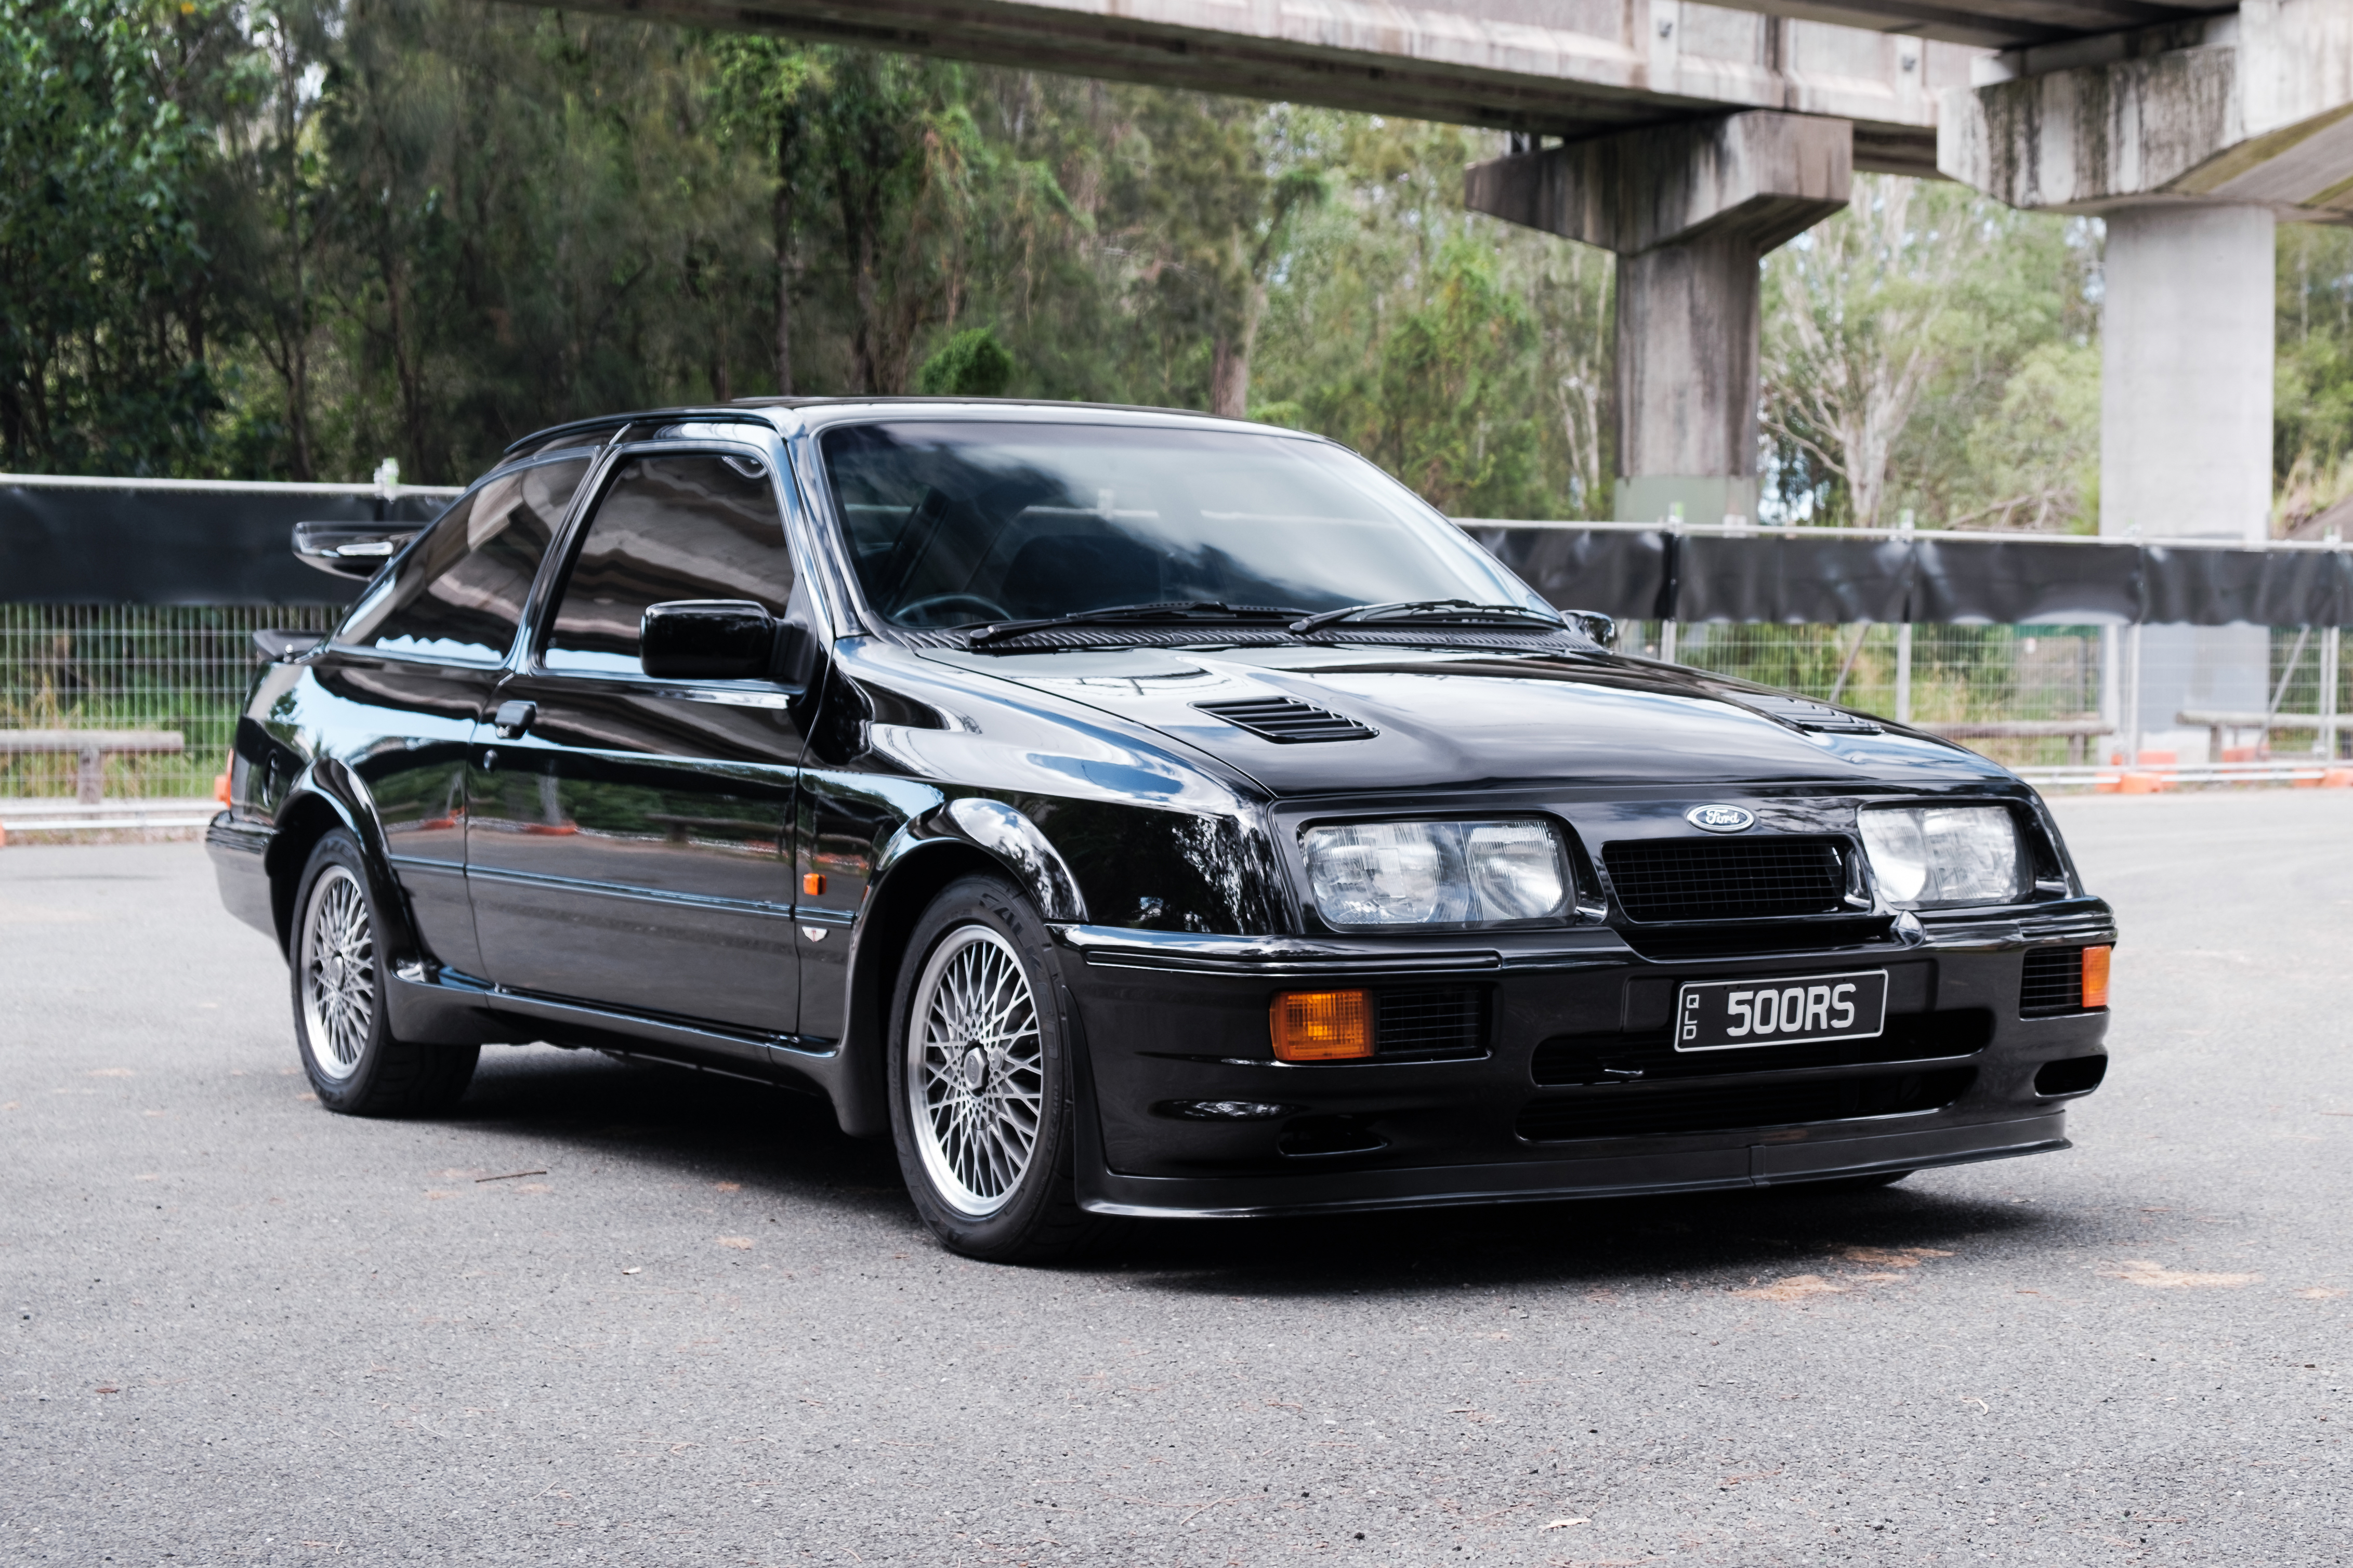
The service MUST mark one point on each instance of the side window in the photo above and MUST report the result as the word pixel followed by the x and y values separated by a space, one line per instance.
pixel 671 526
pixel 459 594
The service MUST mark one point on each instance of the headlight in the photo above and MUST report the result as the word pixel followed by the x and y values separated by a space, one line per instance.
pixel 1436 873
pixel 1931 855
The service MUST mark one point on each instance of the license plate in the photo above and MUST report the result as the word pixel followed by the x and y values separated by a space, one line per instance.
pixel 1727 1015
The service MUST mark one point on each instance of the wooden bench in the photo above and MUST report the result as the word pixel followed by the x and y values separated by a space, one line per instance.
pixel 2327 726
pixel 91 747
pixel 2077 732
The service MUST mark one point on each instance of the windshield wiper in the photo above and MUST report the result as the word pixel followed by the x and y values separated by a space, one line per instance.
pixel 1177 611
pixel 1429 610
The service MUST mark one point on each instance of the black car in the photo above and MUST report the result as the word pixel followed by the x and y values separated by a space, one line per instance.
pixel 1131 812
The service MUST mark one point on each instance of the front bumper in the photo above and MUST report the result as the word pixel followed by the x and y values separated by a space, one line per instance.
pixel 1570 1088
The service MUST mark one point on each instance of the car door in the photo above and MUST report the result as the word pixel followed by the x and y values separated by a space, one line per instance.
pixel 413 668
pixel 629 840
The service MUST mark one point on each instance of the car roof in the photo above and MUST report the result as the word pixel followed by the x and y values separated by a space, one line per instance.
pixel 819 411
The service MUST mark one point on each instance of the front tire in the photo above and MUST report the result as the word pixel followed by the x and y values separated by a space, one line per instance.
pixel 982 1107
pixel 340 973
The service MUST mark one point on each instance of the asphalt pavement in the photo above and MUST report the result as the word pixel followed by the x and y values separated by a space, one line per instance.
pixel 607 1314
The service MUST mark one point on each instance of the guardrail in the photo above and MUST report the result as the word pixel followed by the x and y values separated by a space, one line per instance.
pixel 91 748
pixel 2153 778
pixel 114 816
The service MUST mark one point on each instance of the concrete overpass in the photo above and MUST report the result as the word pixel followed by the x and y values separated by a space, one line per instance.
pixel 1690 138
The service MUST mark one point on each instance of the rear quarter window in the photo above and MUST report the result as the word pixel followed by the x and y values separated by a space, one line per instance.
pixel 459 594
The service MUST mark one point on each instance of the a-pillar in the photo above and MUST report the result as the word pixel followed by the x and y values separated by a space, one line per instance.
pixel 1690 209
pixel 2186 357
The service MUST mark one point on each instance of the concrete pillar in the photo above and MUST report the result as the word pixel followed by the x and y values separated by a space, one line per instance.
pixel 2186 353
pixel 2186 358
pixel 1687 388
pixel 1690 209
pixel 2192 140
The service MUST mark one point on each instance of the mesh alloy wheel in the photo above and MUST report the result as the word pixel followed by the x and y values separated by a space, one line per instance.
pixel 338 972
pixel 975 1078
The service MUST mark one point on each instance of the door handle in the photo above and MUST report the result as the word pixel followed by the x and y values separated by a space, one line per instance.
pixel 513 719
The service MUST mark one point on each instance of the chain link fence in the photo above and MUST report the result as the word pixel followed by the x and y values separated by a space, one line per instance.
pixel 182 668
pixel 2074 684
pixel 186 668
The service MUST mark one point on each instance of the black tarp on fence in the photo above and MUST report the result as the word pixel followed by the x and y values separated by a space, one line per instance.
pixel 72 545
pixel 1798 575
pixel 78 545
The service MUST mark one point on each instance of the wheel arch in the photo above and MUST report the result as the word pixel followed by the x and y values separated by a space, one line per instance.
pixel 909 880
pixel 325 797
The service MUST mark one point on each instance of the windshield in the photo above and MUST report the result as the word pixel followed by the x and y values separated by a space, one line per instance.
pixel 958 523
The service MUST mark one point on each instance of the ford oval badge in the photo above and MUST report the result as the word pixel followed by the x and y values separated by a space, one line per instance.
pixel 1720 818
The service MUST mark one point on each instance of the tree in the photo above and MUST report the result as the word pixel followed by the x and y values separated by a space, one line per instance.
pixel 1857 327
pixel 972 363
pixel 769 85
pixel 1210 201
pixel 1456 394
pixel 1892 331
pixel 273 220
pixel 104 303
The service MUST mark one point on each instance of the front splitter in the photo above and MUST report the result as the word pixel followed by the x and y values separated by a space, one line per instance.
pixel 1772 1158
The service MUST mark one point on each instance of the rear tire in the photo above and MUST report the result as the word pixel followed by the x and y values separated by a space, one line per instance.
pixel 983 1110
pixel 340 976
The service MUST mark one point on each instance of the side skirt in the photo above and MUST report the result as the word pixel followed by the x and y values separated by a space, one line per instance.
pixel 428 1002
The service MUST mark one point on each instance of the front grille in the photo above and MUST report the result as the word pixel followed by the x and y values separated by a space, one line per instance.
pixel 1634 1112
pixel 1286 720
pixel 1426 1026
pixel 2053 981
pixel 1675 942
pixel 1569 1059
pixel 1749 879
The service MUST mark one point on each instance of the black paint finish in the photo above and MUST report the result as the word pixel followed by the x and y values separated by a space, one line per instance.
pixel 723 873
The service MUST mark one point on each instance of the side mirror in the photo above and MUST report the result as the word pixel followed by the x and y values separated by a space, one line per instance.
pixel 351 549
pixel 707 639
pixel 1601 628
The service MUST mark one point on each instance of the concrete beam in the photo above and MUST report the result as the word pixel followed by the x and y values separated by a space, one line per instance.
pixel 1762 178
pixel 2252 107
pixel 1554 67
pixel 1997 26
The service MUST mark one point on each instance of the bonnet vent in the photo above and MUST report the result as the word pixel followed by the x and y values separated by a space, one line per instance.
pixel 1286 720
pixel 1806 715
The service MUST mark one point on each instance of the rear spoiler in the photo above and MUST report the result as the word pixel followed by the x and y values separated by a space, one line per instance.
pixel 351 549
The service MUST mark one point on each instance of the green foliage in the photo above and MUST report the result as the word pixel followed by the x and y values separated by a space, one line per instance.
pixel 2312 453
pixel 1390 247
pixel 2036 452
pixel 972 363
pixel 287 238
pixel 102 310
pixel 1898 333
pixel 1455 386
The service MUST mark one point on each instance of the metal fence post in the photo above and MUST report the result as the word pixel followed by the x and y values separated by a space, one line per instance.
pixel 1904 672
pixel 1667 642
pixel 2111 677
pixel 2324 742
pixel 2132 699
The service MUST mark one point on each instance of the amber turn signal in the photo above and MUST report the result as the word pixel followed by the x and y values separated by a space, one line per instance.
pixel 2096 976
pixel 220 788
pixel 812 883
pixel 1321 1026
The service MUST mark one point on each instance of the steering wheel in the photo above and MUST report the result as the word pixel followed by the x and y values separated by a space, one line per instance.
pixel 921 612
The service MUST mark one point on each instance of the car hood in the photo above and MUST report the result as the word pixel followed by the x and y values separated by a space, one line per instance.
pixel 1455 718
